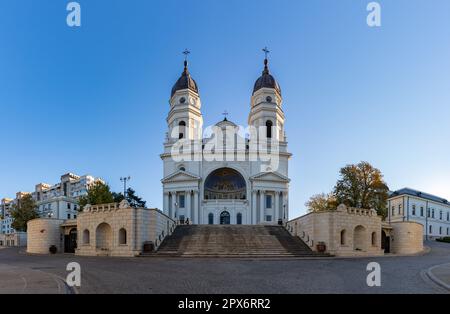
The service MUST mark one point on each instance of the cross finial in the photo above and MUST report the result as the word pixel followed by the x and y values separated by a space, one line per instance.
pixel 225 114
pixel 186 53
pixel 266 52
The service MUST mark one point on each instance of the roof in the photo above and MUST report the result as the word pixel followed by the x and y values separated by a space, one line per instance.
pixel 185 82
pixel 417 193
pixel 266 80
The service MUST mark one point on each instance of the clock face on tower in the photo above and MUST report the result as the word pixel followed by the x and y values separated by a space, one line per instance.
pixel 182 100
pixel 269 99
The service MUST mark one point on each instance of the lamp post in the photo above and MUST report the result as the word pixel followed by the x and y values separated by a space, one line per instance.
pixel 125 180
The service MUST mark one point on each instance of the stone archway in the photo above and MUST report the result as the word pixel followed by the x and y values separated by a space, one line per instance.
pixel 360 239
pixel 103 236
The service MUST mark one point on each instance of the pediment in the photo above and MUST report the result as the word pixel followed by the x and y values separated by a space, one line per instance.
pixel 180 176
pixel 270 176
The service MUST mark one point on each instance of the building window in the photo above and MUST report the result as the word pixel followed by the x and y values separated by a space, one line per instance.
pixel 343 237
pixel 440 230
pixel 269 125
pixel 440 215
pixel 68 205
pixel 181 200
pixel 428 212
pixel 393 211
pixel 239 219
pixel 448 216
pixel 122 236
pixel 414 210
pixel 68 216
pixel 268 218
pixel 268 201
pixel 431 229
pixel 400 209
pixel 75 207
pixel 432 213
pixel 447 231
pixel 421 211
pixel 211 219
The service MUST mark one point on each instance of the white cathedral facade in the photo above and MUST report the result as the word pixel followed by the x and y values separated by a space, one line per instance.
pixel 234 176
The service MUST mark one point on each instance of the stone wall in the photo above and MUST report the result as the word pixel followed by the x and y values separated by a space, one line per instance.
pixel 345 231
pixel 407 237
pixel 43 233
pixel 119 230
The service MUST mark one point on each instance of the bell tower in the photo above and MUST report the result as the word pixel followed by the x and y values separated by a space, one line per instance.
pixel 185 119
pixel 266 105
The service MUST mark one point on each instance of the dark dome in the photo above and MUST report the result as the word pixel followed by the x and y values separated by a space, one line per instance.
pixel 266 80
pixel 185 82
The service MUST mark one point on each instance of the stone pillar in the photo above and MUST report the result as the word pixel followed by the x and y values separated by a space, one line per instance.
pixel 188 205
pixel 261 206
pixel 254 209
pixel 166 209
pixel 196 209
pixel 277 206
pixel 174 199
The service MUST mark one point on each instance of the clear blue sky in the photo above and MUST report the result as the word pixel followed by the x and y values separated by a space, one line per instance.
pixel 95 99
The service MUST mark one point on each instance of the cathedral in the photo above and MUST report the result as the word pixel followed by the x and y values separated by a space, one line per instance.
pixel 237 175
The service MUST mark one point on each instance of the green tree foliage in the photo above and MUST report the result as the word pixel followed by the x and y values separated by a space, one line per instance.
pixel 362 186
pixel 23 212
pixel 132 198
pixel 98 193
pixel 321 202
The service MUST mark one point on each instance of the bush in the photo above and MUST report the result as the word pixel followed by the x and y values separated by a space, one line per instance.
pixel 444 239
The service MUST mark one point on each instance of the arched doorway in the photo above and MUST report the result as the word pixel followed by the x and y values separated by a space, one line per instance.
pixel 360 239
pixel 225 218
pixel 103 235
pixel 70 241
pixel 225 184
pixel 385 242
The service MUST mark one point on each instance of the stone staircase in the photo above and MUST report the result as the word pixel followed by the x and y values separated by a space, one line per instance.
pixel 234 241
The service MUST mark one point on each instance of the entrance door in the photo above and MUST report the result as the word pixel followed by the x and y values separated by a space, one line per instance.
pixel 70 241
pixel 225 218
pixel 385 242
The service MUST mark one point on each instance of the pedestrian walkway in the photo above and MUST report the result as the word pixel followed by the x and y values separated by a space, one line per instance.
pixel 440 274
pixel 18 280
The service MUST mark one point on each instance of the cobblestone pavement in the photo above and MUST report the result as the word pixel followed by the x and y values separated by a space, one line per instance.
pixel 229 276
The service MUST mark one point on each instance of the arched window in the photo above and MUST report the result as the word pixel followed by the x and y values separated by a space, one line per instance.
pixel 211 219
pixel 374 238
pixel 86 236
pixel 431 229
pixel 122 236
pixel 343 237
pixel 239 219
pixel 269 125
pixel 181 129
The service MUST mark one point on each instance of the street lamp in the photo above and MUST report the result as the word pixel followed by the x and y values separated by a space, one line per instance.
pixel 125 180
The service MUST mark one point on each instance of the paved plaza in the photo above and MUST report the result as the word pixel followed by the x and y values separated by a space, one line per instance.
pixel 23 273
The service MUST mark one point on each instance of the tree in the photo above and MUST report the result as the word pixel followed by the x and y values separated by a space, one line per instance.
pixel 132 198
pixel 362 186
pixel 22 212
pixel 98 193
pixel 321 202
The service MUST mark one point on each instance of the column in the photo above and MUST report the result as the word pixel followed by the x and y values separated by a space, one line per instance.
pixel 166 204
pixel 261 206
pixel 196 209
pixel 277 206
pixel 254 221
pixel 174 199
pixel 188 205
